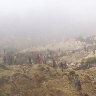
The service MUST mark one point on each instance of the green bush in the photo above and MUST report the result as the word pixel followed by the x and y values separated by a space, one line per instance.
pixel 89 60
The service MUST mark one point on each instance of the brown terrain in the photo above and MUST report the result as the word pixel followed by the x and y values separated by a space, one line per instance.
pixel 23 79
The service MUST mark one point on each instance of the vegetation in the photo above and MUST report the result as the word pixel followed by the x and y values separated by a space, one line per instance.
pixel 89 60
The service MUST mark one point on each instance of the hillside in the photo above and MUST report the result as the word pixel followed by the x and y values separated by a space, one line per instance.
pixel 23 74
pixel 42 80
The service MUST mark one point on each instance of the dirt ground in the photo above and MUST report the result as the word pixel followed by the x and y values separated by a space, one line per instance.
pixel 43 80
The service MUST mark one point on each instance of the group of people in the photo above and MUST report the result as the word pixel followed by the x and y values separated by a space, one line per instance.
pixel 73 77
pixel 42 59
pixel 39 59
pixel 62 65
pixel 8 59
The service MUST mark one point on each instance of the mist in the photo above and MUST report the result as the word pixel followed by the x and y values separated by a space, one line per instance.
pixel 46 20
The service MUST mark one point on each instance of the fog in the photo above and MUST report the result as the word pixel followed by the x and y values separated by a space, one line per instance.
pixel 47 19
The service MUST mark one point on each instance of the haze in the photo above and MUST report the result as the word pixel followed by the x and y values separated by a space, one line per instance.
pixel 47 19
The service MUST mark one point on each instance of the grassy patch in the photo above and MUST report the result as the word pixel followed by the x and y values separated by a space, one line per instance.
pixel 89 60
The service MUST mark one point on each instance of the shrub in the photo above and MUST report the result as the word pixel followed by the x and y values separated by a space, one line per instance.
pixel 89 60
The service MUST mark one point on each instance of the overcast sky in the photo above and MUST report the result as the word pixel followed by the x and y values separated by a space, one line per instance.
pixel 57 18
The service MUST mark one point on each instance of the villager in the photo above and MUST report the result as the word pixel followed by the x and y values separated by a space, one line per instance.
pixel 54 63
pixel 79 85
pixel 4 59
pixel 30 61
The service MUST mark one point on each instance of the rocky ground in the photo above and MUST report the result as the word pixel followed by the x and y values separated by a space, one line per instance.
pixel 43 80
pixel 22 79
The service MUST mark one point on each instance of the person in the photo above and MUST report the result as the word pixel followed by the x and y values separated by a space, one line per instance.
pixel 44 59
pixel 10 60
pixel 48 56
pixel 93 51
pixel 78 85
pixel 15 59
pixel 4 59
pixel 37 58
pixel 71 75
pixel 54 63
pixel 62 66
pixel 88 65
pixel 76 81
pixel 40 59
pixel 30 62
pixel 65 65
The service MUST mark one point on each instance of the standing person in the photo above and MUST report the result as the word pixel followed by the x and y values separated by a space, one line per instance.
pixel 40 59
pixel 4 59
pixel 65 65
pixel 48 56
pixel 79 85
pixel 88 65
pixel 62 66
pixel 75 81
pixel 10 60
pixel 37 58
pixel 54 63
pixel 44 59
pixel 93 51
pixel 15 59
pixel 30 61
